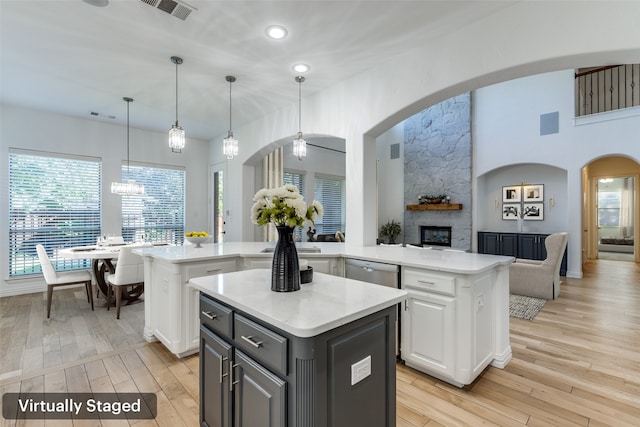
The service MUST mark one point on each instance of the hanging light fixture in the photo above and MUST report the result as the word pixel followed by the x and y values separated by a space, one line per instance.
pixel 299 144
pixel 128 188
pixel 230 144
pixel 176 133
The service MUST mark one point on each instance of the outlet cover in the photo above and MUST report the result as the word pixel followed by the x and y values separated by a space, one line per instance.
pixel 360 370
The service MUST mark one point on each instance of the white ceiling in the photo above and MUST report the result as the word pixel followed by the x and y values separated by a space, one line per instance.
pixel 73 58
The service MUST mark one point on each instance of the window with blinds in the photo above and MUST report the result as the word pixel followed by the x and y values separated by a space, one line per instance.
pixel 331 193
pixel 158 215
pixel 54 201
pixel 299 180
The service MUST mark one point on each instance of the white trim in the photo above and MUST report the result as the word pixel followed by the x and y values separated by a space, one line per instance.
pixel 606 116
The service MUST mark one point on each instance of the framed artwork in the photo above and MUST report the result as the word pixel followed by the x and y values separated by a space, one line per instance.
pixel 511 194
pixel 533 193
pixel 510 210
pixel 534 211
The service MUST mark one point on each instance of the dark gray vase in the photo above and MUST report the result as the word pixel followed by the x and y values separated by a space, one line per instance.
pixel 285 270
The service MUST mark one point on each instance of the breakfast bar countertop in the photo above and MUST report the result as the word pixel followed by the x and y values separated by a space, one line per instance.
pixel 433 259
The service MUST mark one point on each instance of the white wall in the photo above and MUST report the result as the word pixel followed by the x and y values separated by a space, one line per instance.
pixel 36 130
pixel 506 131
pixel 390 177
pixel 524 39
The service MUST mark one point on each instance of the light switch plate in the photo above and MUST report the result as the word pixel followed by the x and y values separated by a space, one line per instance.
pixel 360 370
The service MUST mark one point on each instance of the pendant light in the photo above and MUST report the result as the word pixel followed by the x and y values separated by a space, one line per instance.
pixel 299 144
pixel 230 144
pixel 128 188
pixel 176 133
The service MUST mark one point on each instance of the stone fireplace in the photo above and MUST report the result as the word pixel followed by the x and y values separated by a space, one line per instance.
pixel 435 235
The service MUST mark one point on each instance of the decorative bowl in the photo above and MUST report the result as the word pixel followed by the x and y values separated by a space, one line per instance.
pixel 197 240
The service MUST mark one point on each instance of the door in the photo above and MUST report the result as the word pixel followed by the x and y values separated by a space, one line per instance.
pixel 259 396
pixel 217 186
pixel 215 397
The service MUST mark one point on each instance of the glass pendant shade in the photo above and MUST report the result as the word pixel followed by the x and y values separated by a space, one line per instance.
pixel 176 138
pixel 299 144
pixel 230 146
pixel 176 133
pixel 129 188
pixel 299 147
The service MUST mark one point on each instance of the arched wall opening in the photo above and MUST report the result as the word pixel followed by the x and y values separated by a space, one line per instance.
pixel 611 209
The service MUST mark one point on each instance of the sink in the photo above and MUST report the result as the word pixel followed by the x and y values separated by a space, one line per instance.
pixel 313 250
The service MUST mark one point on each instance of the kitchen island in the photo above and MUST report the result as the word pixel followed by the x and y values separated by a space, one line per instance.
pixel 454 323
pixel 303 358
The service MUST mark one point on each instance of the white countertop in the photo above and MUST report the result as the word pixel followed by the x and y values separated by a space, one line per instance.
pixel 326 303
pixel 432 259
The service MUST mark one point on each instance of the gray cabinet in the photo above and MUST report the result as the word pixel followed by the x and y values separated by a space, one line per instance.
pixel 497 243
pixel 519 245
pixel 254 374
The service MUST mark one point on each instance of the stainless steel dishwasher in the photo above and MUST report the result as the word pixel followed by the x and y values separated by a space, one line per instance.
pixel 377 273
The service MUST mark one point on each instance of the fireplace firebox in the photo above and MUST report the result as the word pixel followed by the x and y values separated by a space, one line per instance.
pixel 435 235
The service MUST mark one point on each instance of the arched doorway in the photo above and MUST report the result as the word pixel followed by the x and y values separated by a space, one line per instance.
pixel 611 209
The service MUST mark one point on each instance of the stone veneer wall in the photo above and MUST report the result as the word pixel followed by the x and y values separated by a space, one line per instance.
pixel 437 160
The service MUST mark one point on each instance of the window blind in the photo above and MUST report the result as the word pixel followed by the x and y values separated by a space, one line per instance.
pixel 158 215
pixel 331 193
pixel 299 180
pixel 54 201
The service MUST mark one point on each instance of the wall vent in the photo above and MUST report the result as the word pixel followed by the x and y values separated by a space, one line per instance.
pixel 175 8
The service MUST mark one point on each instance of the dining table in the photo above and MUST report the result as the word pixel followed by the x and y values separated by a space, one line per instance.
pixel 102 263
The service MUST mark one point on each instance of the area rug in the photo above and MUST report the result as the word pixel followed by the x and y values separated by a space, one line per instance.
pixel 525 307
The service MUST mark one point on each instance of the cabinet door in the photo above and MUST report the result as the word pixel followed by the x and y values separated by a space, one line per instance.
pixel 215 397
pixel 508 244
pixel 528 246
pixel 427 332
pixel 488 243
pixel 259 396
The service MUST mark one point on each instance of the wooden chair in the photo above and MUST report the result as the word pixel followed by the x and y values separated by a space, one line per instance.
pixel 129 272
pixel 53 278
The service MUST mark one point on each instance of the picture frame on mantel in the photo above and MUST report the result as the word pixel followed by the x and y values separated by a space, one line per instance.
pixel 511 194
pixel 533 193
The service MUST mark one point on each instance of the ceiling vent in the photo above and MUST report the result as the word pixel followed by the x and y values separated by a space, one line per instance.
pixel 178 9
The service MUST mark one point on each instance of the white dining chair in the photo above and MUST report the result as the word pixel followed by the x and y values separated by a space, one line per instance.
pixel 54 278
pixel 129 272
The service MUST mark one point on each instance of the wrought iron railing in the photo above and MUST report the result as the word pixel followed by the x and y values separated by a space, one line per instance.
pixel 607 88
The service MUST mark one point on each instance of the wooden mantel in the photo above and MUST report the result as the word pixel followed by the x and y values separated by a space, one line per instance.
pixel 436 207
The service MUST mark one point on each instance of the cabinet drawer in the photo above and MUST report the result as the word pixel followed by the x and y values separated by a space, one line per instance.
pixel 266 346
pixel 429 282
pixel 216 316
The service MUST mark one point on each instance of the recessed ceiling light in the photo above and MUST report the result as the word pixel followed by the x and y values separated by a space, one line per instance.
pixel 301 68
pixel 276 32
pixel 97 3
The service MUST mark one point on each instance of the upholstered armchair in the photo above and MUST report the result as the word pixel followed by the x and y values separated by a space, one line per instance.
pixel 540 279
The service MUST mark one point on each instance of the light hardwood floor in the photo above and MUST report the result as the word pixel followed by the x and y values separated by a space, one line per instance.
pixel 576 364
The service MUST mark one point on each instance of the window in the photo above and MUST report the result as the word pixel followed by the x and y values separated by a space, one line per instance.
pixel 299 180
pixel 158 215
pixel 54 201
pixel 331 193
pixel 608 208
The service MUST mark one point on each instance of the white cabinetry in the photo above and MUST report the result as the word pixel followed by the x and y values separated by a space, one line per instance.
pixel 448 326
pixel 327 265
pixel 175 313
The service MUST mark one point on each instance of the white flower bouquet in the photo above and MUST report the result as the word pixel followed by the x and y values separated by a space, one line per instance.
pixel 283 206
